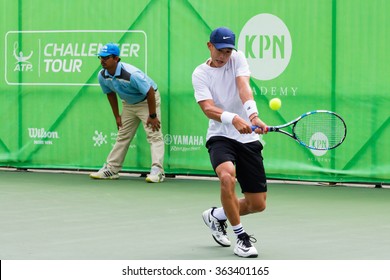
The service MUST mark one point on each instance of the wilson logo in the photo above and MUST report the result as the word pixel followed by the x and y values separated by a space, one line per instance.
pixel 41 133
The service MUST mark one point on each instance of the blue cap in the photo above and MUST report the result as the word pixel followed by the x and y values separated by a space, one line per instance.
pixel 223 37
pixel 109 49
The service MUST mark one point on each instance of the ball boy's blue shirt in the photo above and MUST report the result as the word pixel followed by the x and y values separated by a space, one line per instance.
pixel 130 83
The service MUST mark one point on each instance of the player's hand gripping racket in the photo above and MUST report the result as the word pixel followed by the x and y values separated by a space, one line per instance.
pixel 317 130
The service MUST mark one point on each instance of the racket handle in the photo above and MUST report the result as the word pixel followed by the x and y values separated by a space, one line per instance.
pixel 255 126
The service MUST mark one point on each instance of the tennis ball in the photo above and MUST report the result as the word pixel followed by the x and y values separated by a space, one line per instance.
pixel 275 104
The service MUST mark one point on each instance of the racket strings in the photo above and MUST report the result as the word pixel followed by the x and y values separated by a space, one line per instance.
pixel 321 131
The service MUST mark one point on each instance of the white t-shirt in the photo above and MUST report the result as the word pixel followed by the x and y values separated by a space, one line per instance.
pixel 219 84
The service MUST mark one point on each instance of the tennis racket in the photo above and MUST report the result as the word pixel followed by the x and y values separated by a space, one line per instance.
pixel 316 130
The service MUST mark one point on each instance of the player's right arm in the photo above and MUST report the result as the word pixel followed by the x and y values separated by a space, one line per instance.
pixel 210 110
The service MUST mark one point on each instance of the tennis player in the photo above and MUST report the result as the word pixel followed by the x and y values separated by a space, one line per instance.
pixel 140 104
pixel 223 92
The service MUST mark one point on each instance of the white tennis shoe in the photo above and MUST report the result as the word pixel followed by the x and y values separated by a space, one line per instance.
pixel 244 247
pixel 104 173
pixel 217 227
pixel 156 175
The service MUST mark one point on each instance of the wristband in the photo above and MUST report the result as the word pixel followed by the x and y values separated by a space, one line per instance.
pixel 250 107
pixel 227 117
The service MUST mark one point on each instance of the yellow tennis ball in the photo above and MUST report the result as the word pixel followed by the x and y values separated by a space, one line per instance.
pixel 275 104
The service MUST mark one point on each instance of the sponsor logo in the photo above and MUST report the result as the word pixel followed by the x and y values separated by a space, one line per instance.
pixel 66 57
pixel 275 91
pixel 184 143
pixel 99 138
pixel 320 141
pixel 266 42
pixel 22 61
pixel 244 250
pixel 41 136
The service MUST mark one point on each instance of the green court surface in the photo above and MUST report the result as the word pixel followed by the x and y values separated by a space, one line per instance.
pixel 68 216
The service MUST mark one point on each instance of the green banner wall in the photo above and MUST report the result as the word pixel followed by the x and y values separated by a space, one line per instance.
pixel 330 55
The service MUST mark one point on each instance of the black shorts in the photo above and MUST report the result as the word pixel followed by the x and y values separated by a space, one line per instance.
pixel 245 156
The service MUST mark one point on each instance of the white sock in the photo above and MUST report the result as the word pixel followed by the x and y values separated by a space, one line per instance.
pixel 238 229
pixel 219 213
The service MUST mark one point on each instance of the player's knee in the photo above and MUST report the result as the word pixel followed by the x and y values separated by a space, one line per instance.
pixel 261 208
pixel 227 181
pixel 257 207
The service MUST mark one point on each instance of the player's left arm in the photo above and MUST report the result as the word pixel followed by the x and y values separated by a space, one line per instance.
pixel 244 89
pixel 246 96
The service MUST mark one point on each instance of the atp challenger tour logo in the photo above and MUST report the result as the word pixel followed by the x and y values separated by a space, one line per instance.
pixel 266 42
pixel 66 57
pixel 22 60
